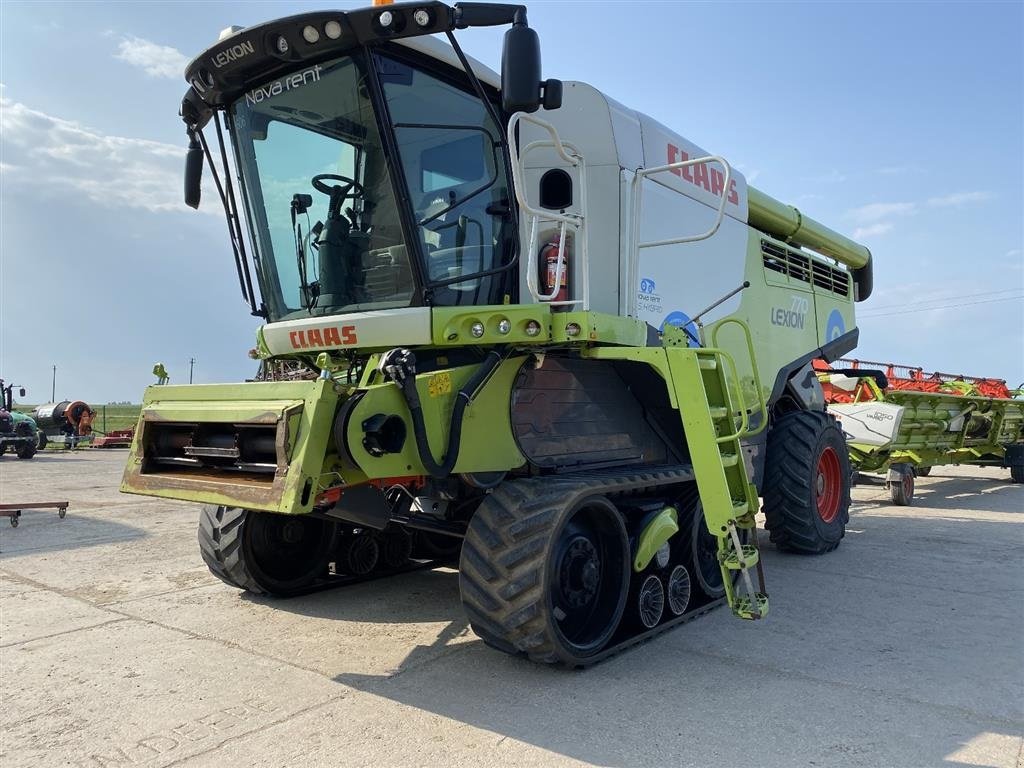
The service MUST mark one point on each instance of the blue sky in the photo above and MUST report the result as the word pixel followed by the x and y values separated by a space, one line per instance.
pixel 897 123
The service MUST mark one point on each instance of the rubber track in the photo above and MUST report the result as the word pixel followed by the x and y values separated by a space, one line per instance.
pixel 220 543
pixel 789 473
pixel 505 549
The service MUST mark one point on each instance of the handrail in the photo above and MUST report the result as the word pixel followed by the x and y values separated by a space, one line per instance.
pixel 761 404
pixel 571 155
pixel 636 192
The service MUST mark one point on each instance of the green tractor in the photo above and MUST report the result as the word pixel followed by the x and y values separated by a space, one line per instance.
pixel 524 328
pixel 17 430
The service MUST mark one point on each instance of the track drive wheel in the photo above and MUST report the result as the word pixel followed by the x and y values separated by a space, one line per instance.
pixel 543 578
pixel 902 490
pixel 264 553
pixel 807 483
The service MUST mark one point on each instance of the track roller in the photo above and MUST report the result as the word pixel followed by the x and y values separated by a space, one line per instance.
pixel 677 590
pixel 395 547
pixel 649 601
pixel 359 553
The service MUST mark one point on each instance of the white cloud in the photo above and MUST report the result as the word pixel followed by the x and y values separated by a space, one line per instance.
pixel 52 156
pixel 959 198
pixel 872 230
pixel 893 170
pixel 154 59
pixel 866 214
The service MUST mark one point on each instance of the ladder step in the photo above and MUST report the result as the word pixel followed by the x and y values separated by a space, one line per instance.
pixel 719 412
pixel 740 509
pixel 730 460
pixel 734 562
pixel 707 363
pixel 749 609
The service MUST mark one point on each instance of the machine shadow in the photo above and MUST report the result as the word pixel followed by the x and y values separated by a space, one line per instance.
pixel 426 595
pixel 676 700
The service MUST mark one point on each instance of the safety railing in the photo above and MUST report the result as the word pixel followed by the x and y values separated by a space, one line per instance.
pixel 569 154
pixel 762 406
pixel 636 197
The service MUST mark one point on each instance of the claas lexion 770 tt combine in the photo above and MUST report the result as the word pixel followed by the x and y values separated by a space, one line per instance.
pixel 543 334
pixel 903 421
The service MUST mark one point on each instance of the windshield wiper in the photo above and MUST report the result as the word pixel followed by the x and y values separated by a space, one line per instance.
pixel 309 292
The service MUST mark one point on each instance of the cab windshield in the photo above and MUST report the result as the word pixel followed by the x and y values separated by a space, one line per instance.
pixel 320 199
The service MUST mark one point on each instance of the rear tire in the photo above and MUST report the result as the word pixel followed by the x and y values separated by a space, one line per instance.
pixel 27 451
pixel 922 471
pixel 807 483
pixel 542 579
pixel 265 553
pixel 1017 473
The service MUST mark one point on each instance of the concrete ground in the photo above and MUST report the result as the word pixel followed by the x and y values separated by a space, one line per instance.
pixel 902 648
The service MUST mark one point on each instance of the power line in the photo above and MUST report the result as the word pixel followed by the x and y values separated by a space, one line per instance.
pixel 945 306
pixel 906 304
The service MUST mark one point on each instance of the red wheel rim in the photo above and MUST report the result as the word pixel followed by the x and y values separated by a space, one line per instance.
pixel 828 485
pixel 908 485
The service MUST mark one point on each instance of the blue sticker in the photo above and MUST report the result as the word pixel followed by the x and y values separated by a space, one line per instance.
pixel 682 320
pixel 647 285
pixel 835 327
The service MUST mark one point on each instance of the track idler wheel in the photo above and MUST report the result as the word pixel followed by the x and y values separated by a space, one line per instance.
pixel 359 553
pixel 265 553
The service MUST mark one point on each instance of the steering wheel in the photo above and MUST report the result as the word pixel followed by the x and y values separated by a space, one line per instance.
pixel 351 189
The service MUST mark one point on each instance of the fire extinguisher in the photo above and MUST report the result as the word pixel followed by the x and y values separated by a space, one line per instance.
pixel 549 269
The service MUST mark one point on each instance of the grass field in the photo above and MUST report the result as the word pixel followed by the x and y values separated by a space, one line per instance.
pixel 108 417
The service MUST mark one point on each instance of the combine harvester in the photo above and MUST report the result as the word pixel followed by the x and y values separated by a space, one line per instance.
pixel 904 421
pixel 528 318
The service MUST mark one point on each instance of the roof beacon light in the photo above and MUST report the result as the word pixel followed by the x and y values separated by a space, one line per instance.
pixel 310 34
pixel 282 44
pixel 422 17
pixel 332 29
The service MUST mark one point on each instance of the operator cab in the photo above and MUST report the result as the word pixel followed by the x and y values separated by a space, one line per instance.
pixel 373 176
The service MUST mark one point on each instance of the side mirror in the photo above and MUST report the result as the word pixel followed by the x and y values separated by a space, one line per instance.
pixel 520 70
pixel 21 392
pixel 193 172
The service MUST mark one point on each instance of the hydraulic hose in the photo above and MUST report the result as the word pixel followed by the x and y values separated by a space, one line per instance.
pixel 462 399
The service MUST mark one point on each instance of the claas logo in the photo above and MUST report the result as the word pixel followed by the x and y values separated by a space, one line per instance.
pixel 328 336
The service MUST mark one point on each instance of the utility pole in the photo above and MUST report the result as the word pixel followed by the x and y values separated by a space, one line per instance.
pixel 53 389
pixel 191 362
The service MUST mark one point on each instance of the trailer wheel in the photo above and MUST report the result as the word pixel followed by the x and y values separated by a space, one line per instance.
pixel 807 483
pixel 1017 473
pixel 902 489
pixel 265 553
pixel 41 439
pixel 27 451
pixel 542 578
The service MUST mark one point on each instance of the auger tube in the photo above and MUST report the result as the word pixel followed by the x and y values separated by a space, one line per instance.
pixel 787 223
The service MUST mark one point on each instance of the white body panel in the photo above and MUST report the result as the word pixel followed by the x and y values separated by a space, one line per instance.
pixel 871 423
pixel 667 282
pixel 385 328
